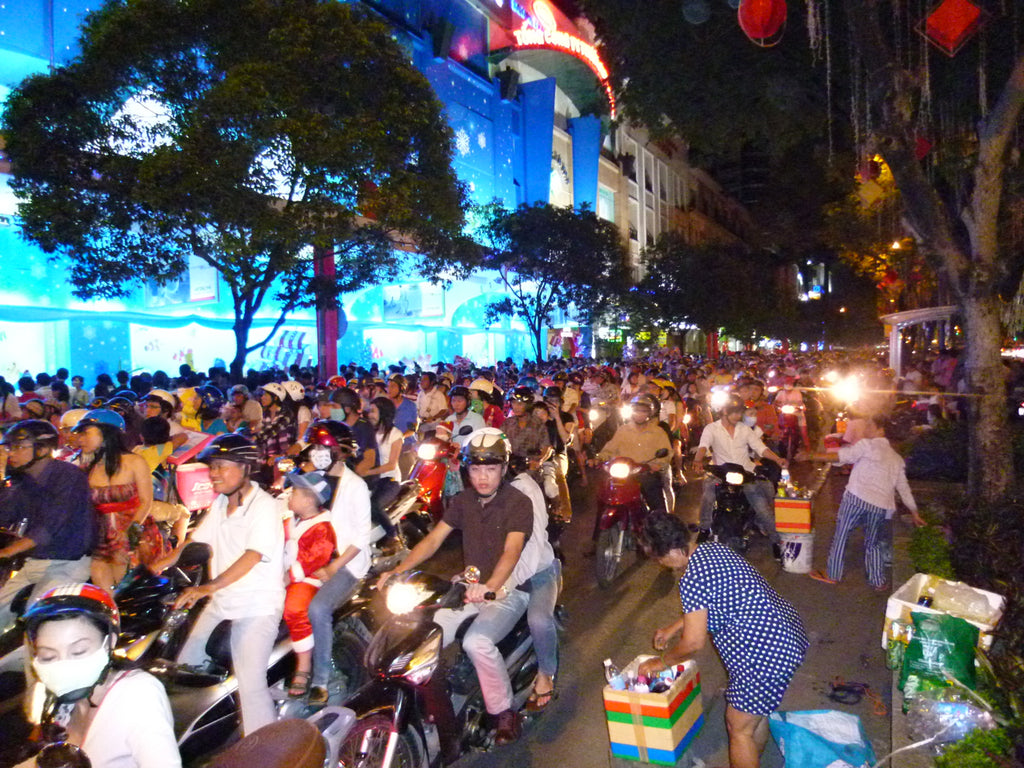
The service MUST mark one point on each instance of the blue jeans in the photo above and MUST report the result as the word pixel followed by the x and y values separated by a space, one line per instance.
pixel 545 586
pixel 335 592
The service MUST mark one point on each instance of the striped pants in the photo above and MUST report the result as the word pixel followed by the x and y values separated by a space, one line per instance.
pixel 854 512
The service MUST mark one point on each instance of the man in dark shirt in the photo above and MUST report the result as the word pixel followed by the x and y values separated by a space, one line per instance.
pixel 47 503
pixel 495 520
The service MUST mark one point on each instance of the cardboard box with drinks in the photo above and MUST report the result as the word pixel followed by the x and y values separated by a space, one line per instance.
pixel 655 727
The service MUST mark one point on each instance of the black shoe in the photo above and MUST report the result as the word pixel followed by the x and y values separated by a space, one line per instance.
pixel 509 728
pixel 777 552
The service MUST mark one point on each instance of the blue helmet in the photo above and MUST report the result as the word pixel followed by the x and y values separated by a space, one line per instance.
pixel 98 417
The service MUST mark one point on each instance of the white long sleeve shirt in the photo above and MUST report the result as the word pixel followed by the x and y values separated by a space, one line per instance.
pixel 879 473
pixel 732 449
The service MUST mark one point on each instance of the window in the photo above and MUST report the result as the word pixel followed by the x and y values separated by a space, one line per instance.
pixel 606 204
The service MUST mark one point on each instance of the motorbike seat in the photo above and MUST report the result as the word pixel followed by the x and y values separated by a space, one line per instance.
pixel 282 744
pixel 218 645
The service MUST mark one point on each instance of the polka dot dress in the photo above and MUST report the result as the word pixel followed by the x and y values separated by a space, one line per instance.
pixel 757 633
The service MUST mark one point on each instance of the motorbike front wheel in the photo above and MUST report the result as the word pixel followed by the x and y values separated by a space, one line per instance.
pixel 609 557
pixel 366 745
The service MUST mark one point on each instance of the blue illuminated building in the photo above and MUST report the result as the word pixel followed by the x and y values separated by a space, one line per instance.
pixel 533 122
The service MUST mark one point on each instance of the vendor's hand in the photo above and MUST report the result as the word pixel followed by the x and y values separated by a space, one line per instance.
pixel 661 638
pixel 917 519
pixel 651 667
pixel 698 468
pixel 193 595
pixel 475 592
pixel 785 462
pixel 653 466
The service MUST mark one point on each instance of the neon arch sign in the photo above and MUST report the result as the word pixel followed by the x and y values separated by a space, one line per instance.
pixel 544 33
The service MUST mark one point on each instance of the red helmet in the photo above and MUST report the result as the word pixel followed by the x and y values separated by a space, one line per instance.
pixel 331 434
pixel 86 600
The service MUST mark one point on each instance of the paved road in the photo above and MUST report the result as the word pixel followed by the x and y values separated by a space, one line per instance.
pixel 844 624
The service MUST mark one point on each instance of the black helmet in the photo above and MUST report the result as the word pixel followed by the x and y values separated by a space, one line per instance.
pixel 553 393
pixel 486 446
pixel 331 434
pixel 645 400
pixel 120 405
pixel 346 397
pixel 522 394
pixel 230 447
pixel 212 398
pixel 42 434
pixel 128 395
pixel 459 391
pixel 530 382
pixel 239 389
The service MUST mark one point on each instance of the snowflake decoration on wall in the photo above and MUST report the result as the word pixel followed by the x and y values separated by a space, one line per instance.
pixel 462 142
pixel 481 140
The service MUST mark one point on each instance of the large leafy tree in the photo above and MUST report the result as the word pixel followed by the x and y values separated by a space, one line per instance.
pixel 248 133
pixel 550 258
pixel 890 92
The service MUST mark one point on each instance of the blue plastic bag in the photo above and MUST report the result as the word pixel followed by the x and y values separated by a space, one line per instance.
pixel 821 738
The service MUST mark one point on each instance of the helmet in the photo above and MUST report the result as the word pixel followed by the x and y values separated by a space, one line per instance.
pixel 121 406
pixel 398 380
pixel 85 600
pixel 230 447
pixel 734 403
pixel 330 433
pixel 482 385
pixel 576 378
pixel 650 402
pixel 128 395
pixel 553 393
pixel 238 389
pixel 34 408
pixel 346 397
pixel 529 382
pixel 70 418
pixel 335 382
pixel 212 397
pixel 161 396
pixel 276 391
pixel 486 446
pixel 460 391
pixel 294 389
pixel 522 394
pixel 561 377
pixel 97 402
pixel 42 434
pixel 98 417
pixel 663 383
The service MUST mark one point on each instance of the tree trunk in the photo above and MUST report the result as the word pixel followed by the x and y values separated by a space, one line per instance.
pixel 241 331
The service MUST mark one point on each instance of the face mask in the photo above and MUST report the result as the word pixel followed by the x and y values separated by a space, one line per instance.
pixel 337 414
pixel 477 406
pixel 320 457
pixel 72 676
pixel 750 421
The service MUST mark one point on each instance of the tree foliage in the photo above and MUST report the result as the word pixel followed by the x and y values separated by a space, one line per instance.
pixel 550 258
pixel 244 132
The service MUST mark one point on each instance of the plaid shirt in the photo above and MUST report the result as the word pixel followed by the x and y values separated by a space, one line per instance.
pixel 275 436
pixel 529 440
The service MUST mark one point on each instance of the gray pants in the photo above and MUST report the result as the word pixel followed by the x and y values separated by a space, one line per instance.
pixel 43 575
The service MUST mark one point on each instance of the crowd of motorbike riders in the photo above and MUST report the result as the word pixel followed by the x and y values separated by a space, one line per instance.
pixel 85 499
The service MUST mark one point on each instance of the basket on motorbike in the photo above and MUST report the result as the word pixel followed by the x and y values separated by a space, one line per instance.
pixel 655 727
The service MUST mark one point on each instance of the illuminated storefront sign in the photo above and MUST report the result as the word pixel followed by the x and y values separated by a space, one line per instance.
pixel 544 33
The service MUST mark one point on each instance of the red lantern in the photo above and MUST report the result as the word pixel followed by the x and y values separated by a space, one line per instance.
pixel 952 24
pixel 762 20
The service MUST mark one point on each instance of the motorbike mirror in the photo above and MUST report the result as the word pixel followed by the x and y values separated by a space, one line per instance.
pixel 466 430
pixel 661 454
pixel 62 755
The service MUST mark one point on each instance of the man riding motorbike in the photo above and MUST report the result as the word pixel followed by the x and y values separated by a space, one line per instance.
pixel 495 520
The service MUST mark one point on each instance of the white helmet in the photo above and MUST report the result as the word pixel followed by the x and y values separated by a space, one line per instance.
pixel 163 395
pixel 70 418
pixel 294 389
pixel 277 390
pixel 482 385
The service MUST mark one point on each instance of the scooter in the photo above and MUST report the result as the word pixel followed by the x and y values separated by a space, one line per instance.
pixel 416 711
pixel 790 430
pixel 621 512
pixel 733 522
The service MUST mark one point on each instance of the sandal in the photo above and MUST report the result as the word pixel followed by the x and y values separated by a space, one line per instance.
pixel 822 577
pixel 318 695
pixel 299 686
pixel 539 700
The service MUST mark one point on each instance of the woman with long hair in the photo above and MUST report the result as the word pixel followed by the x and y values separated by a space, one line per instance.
pixel 389 447
pixel 122 493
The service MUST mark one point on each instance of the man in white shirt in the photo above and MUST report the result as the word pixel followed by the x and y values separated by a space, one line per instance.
pixel 244 531
pixel 730 441
pixel 431 403
pixel 462 416
pixel 878 475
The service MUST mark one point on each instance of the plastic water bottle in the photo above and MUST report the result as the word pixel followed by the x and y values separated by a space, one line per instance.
pixel 784 483
pixel 611 671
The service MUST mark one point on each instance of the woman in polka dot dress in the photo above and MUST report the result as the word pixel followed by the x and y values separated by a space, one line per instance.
pixel 757 633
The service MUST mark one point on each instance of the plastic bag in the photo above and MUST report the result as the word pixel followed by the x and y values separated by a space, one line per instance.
pixel 941 647
pixel 821 738
pixel 945 716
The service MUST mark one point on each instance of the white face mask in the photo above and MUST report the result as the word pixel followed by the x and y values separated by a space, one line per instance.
pixel 750 421
pixel 69 675
pixel 320 457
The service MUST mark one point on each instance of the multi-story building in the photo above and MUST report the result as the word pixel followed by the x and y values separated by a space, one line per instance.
pixel 534 119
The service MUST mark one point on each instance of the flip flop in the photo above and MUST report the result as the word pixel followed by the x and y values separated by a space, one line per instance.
pixel 820 576
pixel 299 686
pixel 539 701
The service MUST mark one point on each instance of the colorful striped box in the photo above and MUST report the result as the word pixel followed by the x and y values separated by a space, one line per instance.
pixel 655 727
pixel 793 515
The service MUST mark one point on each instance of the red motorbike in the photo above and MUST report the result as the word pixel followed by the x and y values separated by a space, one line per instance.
pixel 621 510
pixel 791 431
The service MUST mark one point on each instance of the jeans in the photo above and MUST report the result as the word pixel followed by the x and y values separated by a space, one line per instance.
pixel 333 593
pixel 544 588
pixel 760 497
pixel 42 575
pixel 493 621
pixel 252 641
pixel 384 492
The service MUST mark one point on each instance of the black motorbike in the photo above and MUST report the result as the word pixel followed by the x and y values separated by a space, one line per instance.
pixel 415 710
pixel 734 522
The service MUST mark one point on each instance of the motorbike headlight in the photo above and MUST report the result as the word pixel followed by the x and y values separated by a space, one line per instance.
pixel 718 398
pixel 734 478
pixel 427 452
pixel 424 660
pixel 402 598
pixel 594 414
pixel 619 470
pixel 772 390
pixel 1020 409
pixel 789 410
pixel 687 418
pixel 626 411
pixel 847 390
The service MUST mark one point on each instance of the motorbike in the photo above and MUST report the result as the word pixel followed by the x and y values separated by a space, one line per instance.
pixel 415 710
pixel 314 742
pixel 621 510
pixel 733 522
pixel 790 431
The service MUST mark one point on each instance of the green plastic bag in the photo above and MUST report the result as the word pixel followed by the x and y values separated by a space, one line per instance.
pixel 942 647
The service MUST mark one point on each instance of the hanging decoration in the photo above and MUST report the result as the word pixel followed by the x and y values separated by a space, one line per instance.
pixel 762 21
pixel 952 23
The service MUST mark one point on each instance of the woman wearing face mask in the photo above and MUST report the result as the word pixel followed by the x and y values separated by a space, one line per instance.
pixel 119 717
